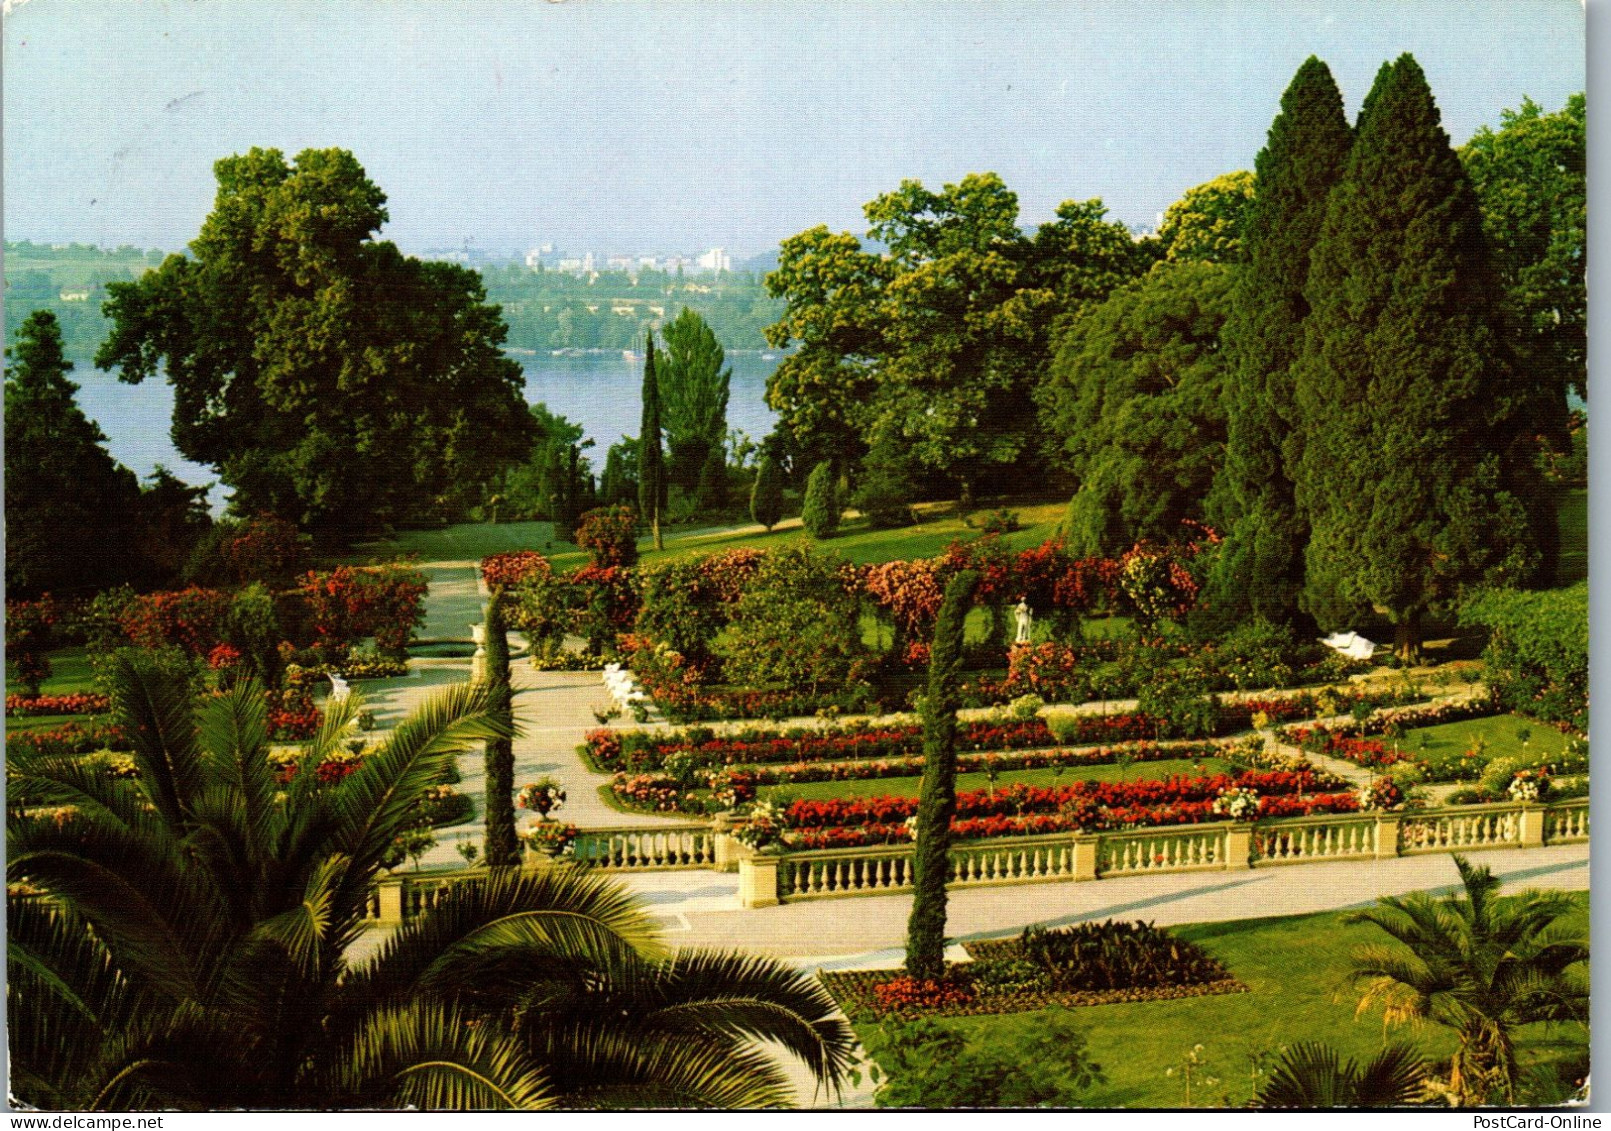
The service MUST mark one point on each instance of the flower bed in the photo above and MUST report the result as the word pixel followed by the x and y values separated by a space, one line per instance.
pixel 303 675
pixel 78 703
pixel 1090 964
pixel 72 738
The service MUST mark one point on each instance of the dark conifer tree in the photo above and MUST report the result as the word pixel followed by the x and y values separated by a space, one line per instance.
pixel 70 507
pixel 766 497
pixel 1406 406
pixel 937 799
pixel 1260 566
pixel 502 848
pixel 651 457
pixel 819 512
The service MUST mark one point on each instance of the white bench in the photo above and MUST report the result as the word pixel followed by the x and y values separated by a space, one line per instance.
pixel 338 688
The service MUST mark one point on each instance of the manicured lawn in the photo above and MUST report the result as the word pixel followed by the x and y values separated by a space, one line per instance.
pixel 470 541
pixel 1499 732
pixel 70 672
pixel 856 540
pixel 1297 969
pixel 1573 520
pixel 908 787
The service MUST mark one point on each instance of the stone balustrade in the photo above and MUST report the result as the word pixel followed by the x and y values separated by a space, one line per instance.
pixel 765 880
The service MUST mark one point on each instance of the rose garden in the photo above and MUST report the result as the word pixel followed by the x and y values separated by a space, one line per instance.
pixel 998 732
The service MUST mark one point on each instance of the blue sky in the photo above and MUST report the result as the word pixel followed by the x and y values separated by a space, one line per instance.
pixel 628 125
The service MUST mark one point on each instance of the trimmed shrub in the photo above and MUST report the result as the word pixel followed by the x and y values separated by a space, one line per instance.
pixel 820 513
pixel 1538 651
pixel 766 497
pixel 610 534
pixel 1112 955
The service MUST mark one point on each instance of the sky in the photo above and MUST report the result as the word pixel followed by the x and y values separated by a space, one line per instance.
pixel 678 125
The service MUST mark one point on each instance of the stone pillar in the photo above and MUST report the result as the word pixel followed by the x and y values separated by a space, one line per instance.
pixel 1239 845
pixel 1085 856
pixel 1386 835
pixel 478 662
pixel 758 881
pixel 390 893
pixel 725 847
pixel 1532 826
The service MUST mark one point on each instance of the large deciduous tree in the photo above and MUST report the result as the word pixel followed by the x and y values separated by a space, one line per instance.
pixel 1408 408
pixel 1209 221
pixel 1260 567
pixel 936 343
pixel 70 507
pixel 330 379
pixel 1133 400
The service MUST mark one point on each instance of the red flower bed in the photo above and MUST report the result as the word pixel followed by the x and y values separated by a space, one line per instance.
pixel 1019 799
pixel 1360 751
pixel 348 604
pixel 799 773
pixel 513 568
pixel 907 992
pixel 78 703
pixel 292 717
pixel 73 738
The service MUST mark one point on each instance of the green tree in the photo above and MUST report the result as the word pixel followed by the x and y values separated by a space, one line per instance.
pixel 619 482
pixel 889 484
pixel 501 848
pixel 1480 965
pixel 1530 179
pixel 328 378
pixel 68 502
pixel 766 496
pixel 1407 405
pixel 651 459
pixel 1259 570
pixel 1313 1074
pixel 937 797
pixel 819 513
pixel 936 344
pixel 694 388
pixel 1134 397
pixel 181 940
pixel 1210 221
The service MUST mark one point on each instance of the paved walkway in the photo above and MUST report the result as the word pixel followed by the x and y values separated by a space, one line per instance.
pixel 700 909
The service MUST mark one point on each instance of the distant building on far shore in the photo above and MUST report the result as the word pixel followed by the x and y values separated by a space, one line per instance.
pixel 716 261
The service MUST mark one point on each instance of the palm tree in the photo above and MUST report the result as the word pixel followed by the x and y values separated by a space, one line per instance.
pixel 1313 1074
pixel 1481 965
pixel 180 940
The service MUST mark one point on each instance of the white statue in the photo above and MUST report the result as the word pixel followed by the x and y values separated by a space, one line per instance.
pixel 1026 621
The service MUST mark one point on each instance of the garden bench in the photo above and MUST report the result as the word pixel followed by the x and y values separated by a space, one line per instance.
pixel 338 688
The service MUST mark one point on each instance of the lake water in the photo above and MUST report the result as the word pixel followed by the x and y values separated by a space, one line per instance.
pixel 600 391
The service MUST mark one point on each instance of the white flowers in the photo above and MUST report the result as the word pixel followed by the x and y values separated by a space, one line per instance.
pixel 1238 803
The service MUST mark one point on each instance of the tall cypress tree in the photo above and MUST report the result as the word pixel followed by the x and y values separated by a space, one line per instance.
pixel 502 849
pixel 1260 566
pixel 651 458
pixel 937 798
pixel 1406 405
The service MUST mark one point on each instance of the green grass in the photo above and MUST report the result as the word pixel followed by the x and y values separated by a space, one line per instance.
pixel 1499 732
pixel 856 540
pixel 1297 969
pixel 469 541
pixel 908 786
pixel 70 672
pixel 1573 519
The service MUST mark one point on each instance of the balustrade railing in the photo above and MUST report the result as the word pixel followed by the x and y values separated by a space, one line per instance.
pixel 1465 827
pixel 1178 849
pixel 1301 839
pixel 1567 821
pixel 629 848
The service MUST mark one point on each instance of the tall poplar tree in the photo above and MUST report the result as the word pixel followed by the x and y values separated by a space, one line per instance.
pixel 651 458
pixel 937 798
pixel 1407 407
pixel 1260 567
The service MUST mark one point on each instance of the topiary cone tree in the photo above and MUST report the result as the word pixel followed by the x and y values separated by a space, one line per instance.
pixel 937 801
pixel 766 497
pixel 502 847
pixel 820 512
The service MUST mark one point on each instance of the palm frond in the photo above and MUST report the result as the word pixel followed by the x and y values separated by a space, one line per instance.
pixel 303 931
pixel 232 730
pixel 432 1058
pixel 1395 1077
pixel 497 935
pixel 738 995
pixel 601 1065
pixel 156 710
